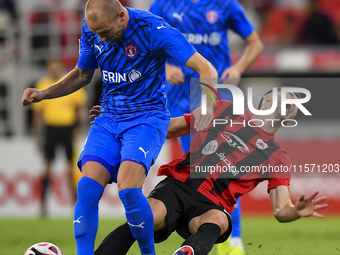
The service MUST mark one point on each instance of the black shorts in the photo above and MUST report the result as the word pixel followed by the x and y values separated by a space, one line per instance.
pixel 55 136
pixel 183 204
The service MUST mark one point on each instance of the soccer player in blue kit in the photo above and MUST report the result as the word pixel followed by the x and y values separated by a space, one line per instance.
pixel 205 23
pixel 130 47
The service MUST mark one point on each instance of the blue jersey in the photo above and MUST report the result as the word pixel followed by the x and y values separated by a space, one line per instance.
pixel 204 24
pixel 133 69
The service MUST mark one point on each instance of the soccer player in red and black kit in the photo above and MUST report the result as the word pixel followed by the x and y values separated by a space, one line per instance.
pixel 196 202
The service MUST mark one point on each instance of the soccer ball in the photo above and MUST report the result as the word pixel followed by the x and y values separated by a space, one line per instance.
pixel 43 249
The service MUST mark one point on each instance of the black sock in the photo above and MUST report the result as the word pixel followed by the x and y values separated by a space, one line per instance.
pixel 118 242
pixel 205 238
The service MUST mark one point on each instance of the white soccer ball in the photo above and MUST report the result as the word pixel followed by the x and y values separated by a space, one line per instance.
pixel 43 249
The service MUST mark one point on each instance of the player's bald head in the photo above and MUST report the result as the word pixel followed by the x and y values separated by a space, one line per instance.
pixel 106 18
pixel 99 9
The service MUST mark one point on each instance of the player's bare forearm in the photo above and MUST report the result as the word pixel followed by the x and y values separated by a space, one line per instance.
pixel 178 127
pixel 74 80
pixel 286 214
pixel 285 211
pixel 208 76
pixel 251 53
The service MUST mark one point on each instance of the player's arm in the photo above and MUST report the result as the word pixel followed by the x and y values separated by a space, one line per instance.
pixel 209 75
pixel 181 126
pixel 163 44
pixel 178 127
pixel 174 74
pixel 285 211
pixel 242 26
pixel 73 81
pixel 251 53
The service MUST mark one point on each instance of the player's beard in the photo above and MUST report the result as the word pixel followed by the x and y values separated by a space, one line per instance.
pixel 118 35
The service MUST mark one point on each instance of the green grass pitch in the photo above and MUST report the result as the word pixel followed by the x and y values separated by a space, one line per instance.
pixel 260 236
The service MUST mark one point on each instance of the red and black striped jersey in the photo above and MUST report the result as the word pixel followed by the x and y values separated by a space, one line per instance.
pixel 228 160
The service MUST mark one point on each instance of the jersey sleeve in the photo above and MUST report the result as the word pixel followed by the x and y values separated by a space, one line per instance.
pixel 282 177
pixel 87 59
pixel 239 22
pixel 167 42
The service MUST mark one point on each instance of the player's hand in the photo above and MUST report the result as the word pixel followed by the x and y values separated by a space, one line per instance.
pixel 231 75
pixel 307 206
pixel 174 74
pixel 94 112
pixel 31 96
pixel 203 121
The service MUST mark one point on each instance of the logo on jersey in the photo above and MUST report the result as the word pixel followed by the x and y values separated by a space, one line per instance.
pixel 212 16
pixel 261 144
pixel 162 26
pixel 130 51
pixel 210 148
pixel 178 16
pixel 134 75
pixel 99 48
pixel 113 77
pixel 213 39
pixel 235 142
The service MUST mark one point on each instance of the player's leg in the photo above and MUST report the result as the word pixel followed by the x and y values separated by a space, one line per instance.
pixel 50 144
pixel 121 239
pixel 141 141
pixel 99 164
pixel 44 186
pixel 206 230
pixel 90 190
pixel 236 245
pixel 67 141
pixel 131 176
pixel 233 246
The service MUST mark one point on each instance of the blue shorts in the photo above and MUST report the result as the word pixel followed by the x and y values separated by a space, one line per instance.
pixel 137 139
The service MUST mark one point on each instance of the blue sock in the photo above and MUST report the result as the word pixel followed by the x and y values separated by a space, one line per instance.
pixel 140 218
pixel 236 219
pixel 86 215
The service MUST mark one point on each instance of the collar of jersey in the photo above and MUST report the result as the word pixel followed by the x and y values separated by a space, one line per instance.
pixel 128 31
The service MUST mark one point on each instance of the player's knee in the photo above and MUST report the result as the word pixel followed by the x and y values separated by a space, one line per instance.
pixel 130 175
pixel 130 183
pixel 223 223
pixel 219 218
